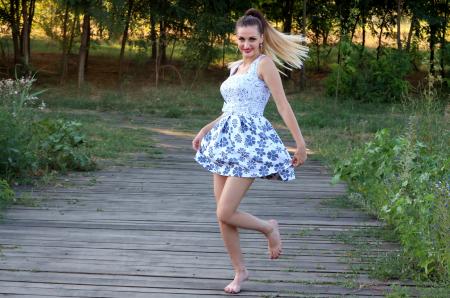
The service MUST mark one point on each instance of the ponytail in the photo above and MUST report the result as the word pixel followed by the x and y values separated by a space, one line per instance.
pixel 285 50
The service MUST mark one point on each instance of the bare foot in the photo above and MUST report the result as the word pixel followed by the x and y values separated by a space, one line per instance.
pixel 274 240
pixel 234 287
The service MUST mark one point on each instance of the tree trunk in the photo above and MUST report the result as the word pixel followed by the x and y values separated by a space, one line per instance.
pixel 24 34
pixel 287 24
pixel 302 71
pixel 178 33
pixel 410 33
pixel 125 38
pixel 363 25
pixel 318 54
pixel 100 24
pixel 433 31
pixel 15 31
pixel 30 21
pixel 354 28
pixel 88 44
pixel 64 44
pixel 325 38
pixel 399 18
pixel 153 35
pixel 380 36
pixel 287 13
pixel 75 24
pixel 162 41
pixel 83 49
pixel 443 43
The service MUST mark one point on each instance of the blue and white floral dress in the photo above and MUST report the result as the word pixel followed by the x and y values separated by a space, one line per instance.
pixel 243 143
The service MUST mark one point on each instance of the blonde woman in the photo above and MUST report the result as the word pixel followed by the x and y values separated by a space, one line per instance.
pixel 241 144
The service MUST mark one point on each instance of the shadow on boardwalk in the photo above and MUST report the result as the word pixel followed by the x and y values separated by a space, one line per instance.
pixel 152 232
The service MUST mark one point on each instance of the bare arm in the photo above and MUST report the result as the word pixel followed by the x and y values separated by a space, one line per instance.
pixel 205 129
pixel 269 73
pixel 210 125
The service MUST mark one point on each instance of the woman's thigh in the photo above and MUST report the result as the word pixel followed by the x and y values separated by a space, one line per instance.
pixel 219 183
pixel 232 193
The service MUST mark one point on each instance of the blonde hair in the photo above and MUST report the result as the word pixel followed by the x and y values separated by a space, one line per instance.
pixel 285 50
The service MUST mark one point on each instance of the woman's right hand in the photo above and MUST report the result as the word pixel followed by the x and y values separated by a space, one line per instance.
pixel 197 140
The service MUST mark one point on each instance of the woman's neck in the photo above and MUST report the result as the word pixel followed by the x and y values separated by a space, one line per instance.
pixel 249 60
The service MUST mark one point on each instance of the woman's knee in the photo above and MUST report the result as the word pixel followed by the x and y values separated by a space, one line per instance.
pixel 223 215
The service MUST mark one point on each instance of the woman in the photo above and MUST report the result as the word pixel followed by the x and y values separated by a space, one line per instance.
pixel 241 144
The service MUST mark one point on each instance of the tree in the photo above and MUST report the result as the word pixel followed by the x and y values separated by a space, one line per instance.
pixel 434 13
pixel 19 16
pixel 321 17
pixel 125 37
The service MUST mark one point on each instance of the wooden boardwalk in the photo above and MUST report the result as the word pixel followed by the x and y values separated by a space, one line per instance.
pixel 152 232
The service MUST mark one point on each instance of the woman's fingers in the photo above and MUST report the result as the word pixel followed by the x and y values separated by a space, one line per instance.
pixel 196 145
pixel 298 159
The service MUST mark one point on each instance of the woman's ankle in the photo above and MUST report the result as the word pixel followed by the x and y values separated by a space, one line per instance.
pixel 241 270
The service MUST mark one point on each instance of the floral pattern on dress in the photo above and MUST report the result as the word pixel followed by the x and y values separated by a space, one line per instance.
pixel 243 143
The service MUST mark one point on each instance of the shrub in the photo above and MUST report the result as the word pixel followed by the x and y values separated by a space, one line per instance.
pixel 61 145
pixel 6 194
pixel 362 77
pixel 29 146
pixel 406 182
pixel 17 157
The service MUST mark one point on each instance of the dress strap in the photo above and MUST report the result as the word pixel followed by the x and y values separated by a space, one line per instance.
pixel 256 63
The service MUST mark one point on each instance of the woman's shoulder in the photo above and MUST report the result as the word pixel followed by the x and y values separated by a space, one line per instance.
pixel 266 60
pixel 266 64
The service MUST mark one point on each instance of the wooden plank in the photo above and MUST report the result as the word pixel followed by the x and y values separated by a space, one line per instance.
pixel 152 232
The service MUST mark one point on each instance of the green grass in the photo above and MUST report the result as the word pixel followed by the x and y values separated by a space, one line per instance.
pixel 383 265
pixel 109 140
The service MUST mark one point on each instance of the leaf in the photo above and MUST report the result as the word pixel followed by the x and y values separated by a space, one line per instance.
pixel 336 178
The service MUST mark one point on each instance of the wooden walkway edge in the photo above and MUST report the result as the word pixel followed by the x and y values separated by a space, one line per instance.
pixel 152 232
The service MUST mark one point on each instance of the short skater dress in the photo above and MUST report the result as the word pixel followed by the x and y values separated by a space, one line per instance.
pixel 243 143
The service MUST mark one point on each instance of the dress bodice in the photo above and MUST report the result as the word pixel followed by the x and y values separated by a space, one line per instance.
pixel 245 93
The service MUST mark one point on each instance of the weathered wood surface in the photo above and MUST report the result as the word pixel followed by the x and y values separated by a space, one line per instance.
pixel 152 232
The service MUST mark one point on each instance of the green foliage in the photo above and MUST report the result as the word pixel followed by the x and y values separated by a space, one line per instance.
pixel 61 145
pixel 211 23
pixel 407 183
pixel 6 194
pixel 30 147
pixel 16 156
pixel 362 77
pixel 15 95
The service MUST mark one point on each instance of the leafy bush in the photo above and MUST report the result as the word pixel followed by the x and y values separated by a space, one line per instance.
pixel 6 194
pixel 16 155
pixel 362 77
pixel 61 145
pixel 406 182
pixel 29 146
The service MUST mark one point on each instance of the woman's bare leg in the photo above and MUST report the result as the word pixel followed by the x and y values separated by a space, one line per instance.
pixel 230 236
pixel 232 194
pixel 233 190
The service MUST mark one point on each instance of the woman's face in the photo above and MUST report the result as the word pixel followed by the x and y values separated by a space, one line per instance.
pixel 248 41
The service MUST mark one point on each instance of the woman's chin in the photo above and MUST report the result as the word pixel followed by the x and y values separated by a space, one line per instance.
pixel 248 54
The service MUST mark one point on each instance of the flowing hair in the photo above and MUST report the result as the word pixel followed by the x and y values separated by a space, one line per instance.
pixel 285 50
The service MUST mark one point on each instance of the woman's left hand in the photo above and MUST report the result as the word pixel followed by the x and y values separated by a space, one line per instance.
pixel 299 157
